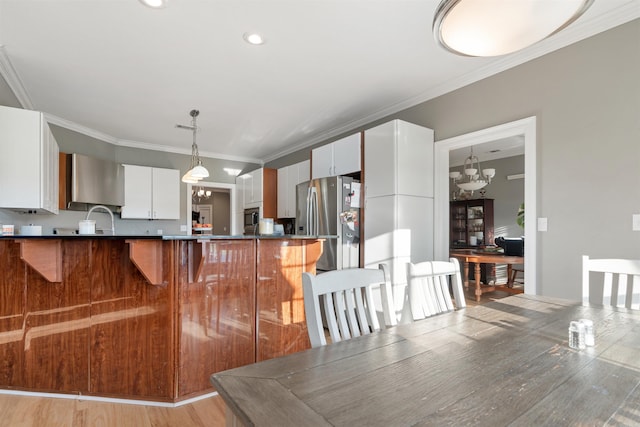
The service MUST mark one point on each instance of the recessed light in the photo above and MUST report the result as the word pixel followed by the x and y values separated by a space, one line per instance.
pixel 156 4
pixel 253 38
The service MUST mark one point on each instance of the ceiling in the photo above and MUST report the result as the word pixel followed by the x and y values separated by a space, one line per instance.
pixel 127 74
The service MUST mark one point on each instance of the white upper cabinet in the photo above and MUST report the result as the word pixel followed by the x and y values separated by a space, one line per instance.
pixel 251 183
pixel 398 158
pixel 288 178
pixel 322 161
pixel 165 198
pixel 341 157
pixel 151 193
pixel 28 161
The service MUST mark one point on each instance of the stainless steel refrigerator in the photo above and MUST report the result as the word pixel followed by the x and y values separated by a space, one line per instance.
pixel 331 207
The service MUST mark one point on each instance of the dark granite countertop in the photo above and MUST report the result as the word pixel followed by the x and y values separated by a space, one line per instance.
pixel 165 237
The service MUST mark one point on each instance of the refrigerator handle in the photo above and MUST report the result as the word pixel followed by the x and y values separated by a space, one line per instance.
pixel 316 225
pixel 309 212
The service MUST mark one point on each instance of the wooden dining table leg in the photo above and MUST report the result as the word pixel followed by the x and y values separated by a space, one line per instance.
pixel 478 288
pixel 466 276
pixel 509 276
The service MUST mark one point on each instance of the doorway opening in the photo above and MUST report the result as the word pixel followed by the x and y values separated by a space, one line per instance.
pixel 525 128
pixel 215 210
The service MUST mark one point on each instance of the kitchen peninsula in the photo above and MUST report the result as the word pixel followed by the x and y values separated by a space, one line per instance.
pixel 147 317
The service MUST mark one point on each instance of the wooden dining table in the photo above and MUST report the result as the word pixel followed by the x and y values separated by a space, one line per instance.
pixel 503 363
pixel 477 257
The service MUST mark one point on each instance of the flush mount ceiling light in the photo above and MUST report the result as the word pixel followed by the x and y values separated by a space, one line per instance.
pixel 472 177
pixel 253 38
pixel 498 27
pixel 155 4
pixel 196 171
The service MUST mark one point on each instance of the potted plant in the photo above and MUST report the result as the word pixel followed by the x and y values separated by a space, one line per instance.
pixel 520 216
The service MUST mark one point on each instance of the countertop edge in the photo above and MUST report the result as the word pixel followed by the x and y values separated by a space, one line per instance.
pixel 165 237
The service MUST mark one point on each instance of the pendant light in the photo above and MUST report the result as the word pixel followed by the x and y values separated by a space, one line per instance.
pixel 196 171
pixel 498 27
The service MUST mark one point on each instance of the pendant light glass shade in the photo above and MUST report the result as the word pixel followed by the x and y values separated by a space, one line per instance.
pixel 196 171
pixel 199 172
pixel 498 27
pixel 187 178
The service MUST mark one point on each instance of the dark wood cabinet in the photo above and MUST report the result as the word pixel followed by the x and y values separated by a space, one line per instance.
pixel 147 318
pixel 471 223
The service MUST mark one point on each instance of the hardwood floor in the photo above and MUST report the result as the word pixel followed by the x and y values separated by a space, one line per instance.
pixel 484 298
pixel 27 411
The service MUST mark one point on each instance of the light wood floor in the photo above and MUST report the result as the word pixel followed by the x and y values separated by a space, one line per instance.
pixel 27 411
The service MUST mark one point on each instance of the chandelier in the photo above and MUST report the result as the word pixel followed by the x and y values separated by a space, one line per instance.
pixel 196 171
pixel 472 177
pixel 199 194
pixel 498 27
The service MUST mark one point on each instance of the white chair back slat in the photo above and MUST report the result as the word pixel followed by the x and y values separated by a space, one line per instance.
pixel 607 288
pixel 358 313
pixel 386 292
pixel 341 313
pixel 329 313
pixel 635 293
pixel 620 282
pixel 351 300
pixel 369 315
pixel 349 306
pixel 622 290
pixel 429 287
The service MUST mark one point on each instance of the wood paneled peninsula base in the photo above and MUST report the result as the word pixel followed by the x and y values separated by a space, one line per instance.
pixel 146 318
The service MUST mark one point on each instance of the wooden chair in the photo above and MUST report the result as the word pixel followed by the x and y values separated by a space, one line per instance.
pixel 348 301
pixel 429 287
pixel 623 292
pixel 513 280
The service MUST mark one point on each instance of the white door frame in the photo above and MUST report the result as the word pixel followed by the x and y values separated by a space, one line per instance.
pixel 232 201
pixel 524 127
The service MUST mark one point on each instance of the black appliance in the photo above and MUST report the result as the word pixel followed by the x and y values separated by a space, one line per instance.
pixel 251 219
pixel 513 246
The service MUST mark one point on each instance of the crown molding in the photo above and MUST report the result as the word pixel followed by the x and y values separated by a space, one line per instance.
pixel 13 80
pixel 67 124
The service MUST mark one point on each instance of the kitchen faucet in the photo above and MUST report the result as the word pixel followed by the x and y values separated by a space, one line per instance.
pixel 113 225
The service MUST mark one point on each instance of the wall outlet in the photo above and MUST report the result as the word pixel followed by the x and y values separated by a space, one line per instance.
pixel 635 223
pixel 183 227
pixel 159 231
pixel 542 224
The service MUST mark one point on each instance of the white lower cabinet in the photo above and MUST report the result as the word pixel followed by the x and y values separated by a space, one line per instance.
pixel 151 193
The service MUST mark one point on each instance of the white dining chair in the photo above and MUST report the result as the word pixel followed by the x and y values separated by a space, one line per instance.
pixel 620 285
pixel 348 301
pixel 429 283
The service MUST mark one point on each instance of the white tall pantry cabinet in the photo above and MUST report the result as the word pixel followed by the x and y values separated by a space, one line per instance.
pixel 398 179
pixel 28 161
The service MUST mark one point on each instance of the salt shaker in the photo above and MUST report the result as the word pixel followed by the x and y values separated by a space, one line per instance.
pixel 576 335
pixel 589 334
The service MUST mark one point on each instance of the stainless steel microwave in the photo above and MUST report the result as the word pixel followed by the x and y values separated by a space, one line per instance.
pixel 251 219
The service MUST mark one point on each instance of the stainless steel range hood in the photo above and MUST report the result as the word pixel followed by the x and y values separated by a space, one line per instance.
pixel 91 181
